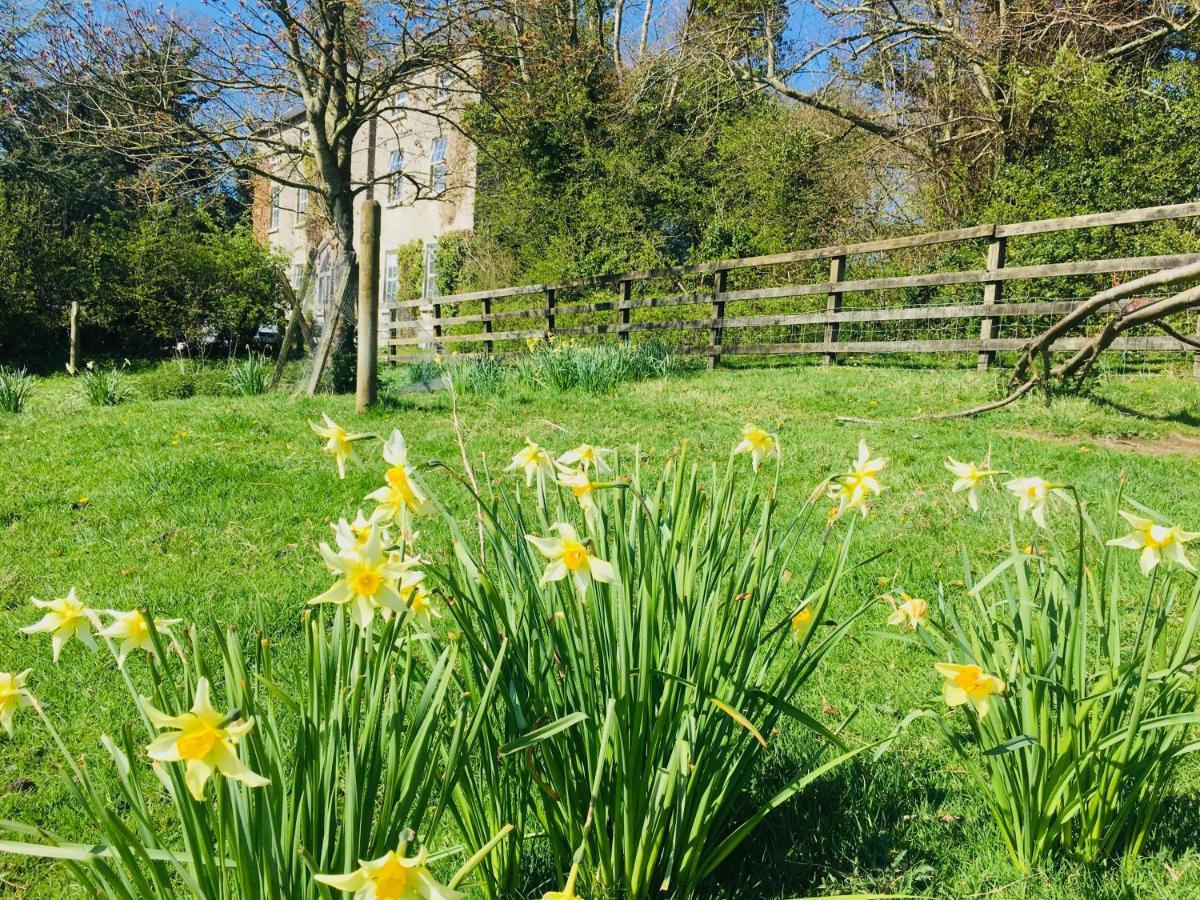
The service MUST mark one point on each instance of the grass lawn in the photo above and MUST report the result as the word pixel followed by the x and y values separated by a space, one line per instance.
pixel 211 508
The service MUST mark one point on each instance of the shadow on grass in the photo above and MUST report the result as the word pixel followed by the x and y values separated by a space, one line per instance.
pixel 1179 417
pixel 850 829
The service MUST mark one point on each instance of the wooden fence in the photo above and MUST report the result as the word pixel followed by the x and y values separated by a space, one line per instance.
pixel 519 314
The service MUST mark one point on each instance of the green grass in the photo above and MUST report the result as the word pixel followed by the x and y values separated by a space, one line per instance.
pixel 210 508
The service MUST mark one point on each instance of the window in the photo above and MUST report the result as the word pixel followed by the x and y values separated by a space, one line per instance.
pixel 391 278
pixel 437 166
pixel 301 203
pixel 276 192
pixel 430 289
pixel 297 275
pixel 396 177
pixel 324 291
pixel 441 90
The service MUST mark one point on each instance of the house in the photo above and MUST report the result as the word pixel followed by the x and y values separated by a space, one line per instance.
pixel 412 159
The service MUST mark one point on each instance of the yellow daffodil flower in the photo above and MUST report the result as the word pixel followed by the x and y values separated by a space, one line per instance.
pixel 392 877
pixel 1033 494
pixel 802 621
pixel 403 495
pixel 569 557
pixel 13 695
pixel 587 457
pixel 911 612
pixel 759 444
pixel 338 441
pixel 370 579
pixel 204 739
pixel 65 618
pixel 420 605
pixel 968 477
pixel 853 489
pixel 581 487
pixel 530 459
pixel 969 684
pixel 353 535
pixel 568 892
pixel 1157 542
pixel 133 631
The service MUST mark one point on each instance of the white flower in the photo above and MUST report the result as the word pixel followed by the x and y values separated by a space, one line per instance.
pixel 133 631
pixel 759 444
pixel 568 556
pixel 1033 494
pixel 587 457
pixel 968 477
pixel 1157 542
pixel 369 579
pixel 531 459
pixel 66 618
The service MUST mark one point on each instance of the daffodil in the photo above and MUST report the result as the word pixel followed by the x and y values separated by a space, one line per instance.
pixel 402 496
pixel 912 611
pixel 392 877
pixel 968 477
pixel 568 556
pixel 1033 494
pixel 420 605
pixel 969 684
pixel 1157 542
pixel 568 892
pixel 853 489
pixel 369 579
pixel 759 444
pixel 353 535
pixel 587 457
pixel 338 441
pixel 13 695
pixel 204 739
pixel 581 487
pixel 133 631
pixel 802 621
pixel 65 618
pixel 530 459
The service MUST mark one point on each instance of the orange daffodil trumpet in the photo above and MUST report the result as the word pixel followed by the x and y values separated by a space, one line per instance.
pixel 587 457
pixel 759 444
pixel 1157 542
pixel 392 877
pixel 1033 493
pixel 969 684
pixel 13 695
pixel 204 739
pixel 853 489
pixel 911 612
pixel 532 460
pixel 338 441
pixel 970 478
pixel 133 631
pixel 568 556
pixel 65 618
pixel 370 579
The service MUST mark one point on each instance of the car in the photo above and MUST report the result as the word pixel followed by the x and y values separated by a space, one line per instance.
pixel 267 336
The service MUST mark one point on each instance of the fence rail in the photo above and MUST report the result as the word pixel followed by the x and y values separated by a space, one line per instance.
pixel 425 334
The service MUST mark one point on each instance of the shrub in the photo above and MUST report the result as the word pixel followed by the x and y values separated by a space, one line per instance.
pixel 104 385
pixel 654 639
pixel 251 377
pixel 424 371
pixel 16 387
pixel 1076 720
pixel 175 380
pixel 482 377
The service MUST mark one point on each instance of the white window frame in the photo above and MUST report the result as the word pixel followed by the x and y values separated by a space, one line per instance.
pixel 297 275
pixel 276 206
pixel 441 88
pixel 391 278
pixel 438 170
pixel 395 179
pixel 324 291
pixel 301 203
pixel 429 264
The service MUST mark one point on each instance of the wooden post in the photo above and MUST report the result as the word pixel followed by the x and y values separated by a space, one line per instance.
pixel 550 303
pixel 73 350
pixel 437 325
pixel 991 294
pixel 626 313
pixel 716 331
pixel 368 307
pixel 1196 355
pixel 833 304
pixel 393 317
pixel 488 345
